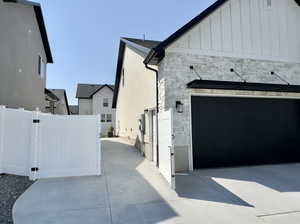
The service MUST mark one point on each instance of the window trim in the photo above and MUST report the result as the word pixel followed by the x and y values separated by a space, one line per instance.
pixel 41 66
pixel 103 116
pixel 107 116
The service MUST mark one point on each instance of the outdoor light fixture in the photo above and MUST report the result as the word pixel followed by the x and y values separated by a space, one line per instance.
pixel 193 69
pixel 283 80
pixel 237 74
pixel 179 107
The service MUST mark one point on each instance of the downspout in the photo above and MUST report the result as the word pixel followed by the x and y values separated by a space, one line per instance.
pixel 157 110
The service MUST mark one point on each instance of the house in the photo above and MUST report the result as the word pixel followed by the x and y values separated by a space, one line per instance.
pixel 231 76
pixel 135 89
pixel 24 55
pixel 61 105
pixel 97 99
pixel 74 110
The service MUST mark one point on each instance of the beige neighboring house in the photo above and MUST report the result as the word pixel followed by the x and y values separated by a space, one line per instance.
pixel 134 89
pixel 232 79
pixel 24 55
pixel 60 105
pixel 97 99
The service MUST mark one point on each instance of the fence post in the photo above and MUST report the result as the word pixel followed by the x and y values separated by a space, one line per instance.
pixel 2 114
pixel 99 162
pixel 34 145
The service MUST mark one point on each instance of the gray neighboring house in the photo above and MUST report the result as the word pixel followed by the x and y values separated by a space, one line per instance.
pixel 232 77
pixel 60 105
pixel 97 99
pixel 24 55
pixel 74 110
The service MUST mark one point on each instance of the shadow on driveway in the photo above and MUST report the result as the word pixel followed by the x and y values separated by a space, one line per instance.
pixel 200 187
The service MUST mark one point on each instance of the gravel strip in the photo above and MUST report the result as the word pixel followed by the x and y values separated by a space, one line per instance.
pixel 11 187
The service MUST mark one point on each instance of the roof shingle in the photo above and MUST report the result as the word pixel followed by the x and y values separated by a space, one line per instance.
pixel 86 91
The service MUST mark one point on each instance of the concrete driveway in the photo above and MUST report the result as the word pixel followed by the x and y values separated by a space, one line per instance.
pixel 131 190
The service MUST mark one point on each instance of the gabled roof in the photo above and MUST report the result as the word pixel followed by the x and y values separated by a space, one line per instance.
pixel 86 91
pixel 50 96
pixel 144 43
pixel 74 109
pixel 61 94
pixel 143 47
pixel 158 52
pixel 40 19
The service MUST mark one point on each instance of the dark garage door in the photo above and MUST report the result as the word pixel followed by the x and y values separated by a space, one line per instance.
pixel 230 131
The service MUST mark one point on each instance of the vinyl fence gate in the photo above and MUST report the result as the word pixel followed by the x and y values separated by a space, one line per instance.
pixel 42 145
pixel 166 147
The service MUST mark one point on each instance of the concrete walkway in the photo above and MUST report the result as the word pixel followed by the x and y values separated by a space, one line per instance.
pixel 131 190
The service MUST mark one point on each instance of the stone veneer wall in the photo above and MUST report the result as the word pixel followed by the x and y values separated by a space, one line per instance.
pixel 174 74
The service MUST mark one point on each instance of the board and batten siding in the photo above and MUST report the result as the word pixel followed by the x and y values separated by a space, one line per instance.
pixel 247 29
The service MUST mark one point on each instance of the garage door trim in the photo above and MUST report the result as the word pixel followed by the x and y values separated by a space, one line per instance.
pixel 191 157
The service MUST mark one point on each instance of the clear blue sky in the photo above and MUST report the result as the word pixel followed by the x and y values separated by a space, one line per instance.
pixel 84 34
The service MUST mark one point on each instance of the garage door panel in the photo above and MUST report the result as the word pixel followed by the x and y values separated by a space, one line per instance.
pixel 244 131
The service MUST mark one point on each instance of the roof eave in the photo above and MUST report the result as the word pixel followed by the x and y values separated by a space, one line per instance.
pixel 118 71
pixel 105 85
pixel 145 50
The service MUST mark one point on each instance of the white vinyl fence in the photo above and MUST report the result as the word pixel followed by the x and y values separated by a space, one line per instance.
pixel 42 145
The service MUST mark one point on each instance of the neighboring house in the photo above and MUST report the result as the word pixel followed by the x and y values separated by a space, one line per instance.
pixel 135 88
pixel 97 99
pixel 24 54
pixel 231 76
pixel 74 110
pixel 61 105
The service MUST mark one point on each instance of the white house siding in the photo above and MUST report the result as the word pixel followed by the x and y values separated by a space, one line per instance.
pixel 247 29
pixel 135 96
pixel 20 46
pixel 85 106
pixel 99 109
pixel 213 60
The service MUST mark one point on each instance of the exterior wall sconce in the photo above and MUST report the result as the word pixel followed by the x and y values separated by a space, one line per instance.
pixel 179 107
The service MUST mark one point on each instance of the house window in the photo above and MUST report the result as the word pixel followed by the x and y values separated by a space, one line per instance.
pixel 105 102
pixel 108 117
pixel 41 67
pixel 102 117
